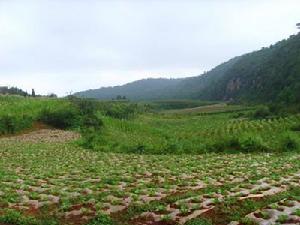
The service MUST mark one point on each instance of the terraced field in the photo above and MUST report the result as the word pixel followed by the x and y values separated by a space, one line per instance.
pixel 207 166
pixel 56 179
pixel 199 133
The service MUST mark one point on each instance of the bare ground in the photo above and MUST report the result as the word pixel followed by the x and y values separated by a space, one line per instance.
pixel 44 136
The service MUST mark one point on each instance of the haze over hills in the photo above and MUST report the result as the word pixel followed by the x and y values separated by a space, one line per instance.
pixel 270 74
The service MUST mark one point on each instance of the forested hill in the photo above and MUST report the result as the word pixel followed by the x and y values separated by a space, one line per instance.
pixel 270 74
pixel 137 90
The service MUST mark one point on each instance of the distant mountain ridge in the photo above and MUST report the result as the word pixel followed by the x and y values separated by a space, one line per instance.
pixel 270 74
pixel 151 88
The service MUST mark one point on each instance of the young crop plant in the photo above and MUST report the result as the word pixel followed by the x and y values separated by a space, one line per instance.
pixel 264 215
pixel 248 221
pixel 166 218
pixel 199 221
pixel 161 208
pixel 184 209
pixel 282 218
pixel 297 212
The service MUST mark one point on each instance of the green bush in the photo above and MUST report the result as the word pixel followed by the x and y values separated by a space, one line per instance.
pixel 288 143
pixel 246 143
pixel 238 115
pixel 138 149
pixel 90 129
pixel 85 106
pixel 251 143
pixel 91 121
pixel 61 118
pixel 296 127
pixel 8 124
pixel 225 144
pixel 262 112
pixel 11 124
pixel 121 111
pixel 217 146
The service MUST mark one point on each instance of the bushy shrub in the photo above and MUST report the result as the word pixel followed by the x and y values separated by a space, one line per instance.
pixel 296 127
pixel 10 124
pixel 63 118
pixel 121 110
pixel 91 121
pixel 277 109
pixel 262 112
pixel 238 115
pixel 89 138
pixel 217 146
pixel 225 144
pixel 246 143
pixel 288 143
pixel 85 106
pixel 90 129
pixel 138 149
pixel 251 143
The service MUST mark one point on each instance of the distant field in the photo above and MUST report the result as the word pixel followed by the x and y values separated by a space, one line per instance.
pixel 210 165
pixel 211 108
pixel 177 104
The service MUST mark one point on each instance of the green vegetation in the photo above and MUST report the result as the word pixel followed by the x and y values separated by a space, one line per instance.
pixel 18 113
pixel 124 127
pixel 268 75
pixel 200 131
pixel 176 104
pixel 199 166
pixel 198 222
pixel 16 218
pixel 101 220
pixel 224 149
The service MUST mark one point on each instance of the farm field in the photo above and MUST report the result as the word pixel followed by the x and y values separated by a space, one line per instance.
pixel 200 132
pixel 58 180
pixel 134 176
pixel 149 112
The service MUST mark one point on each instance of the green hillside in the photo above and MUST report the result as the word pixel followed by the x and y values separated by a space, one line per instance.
pixel 270 74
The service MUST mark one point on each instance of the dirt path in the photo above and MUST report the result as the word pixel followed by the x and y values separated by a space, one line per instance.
pixel 44 136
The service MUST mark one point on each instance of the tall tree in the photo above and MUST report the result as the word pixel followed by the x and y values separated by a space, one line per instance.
pixel 33 93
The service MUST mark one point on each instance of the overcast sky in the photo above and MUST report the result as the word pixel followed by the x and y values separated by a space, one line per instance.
pixel 70 45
